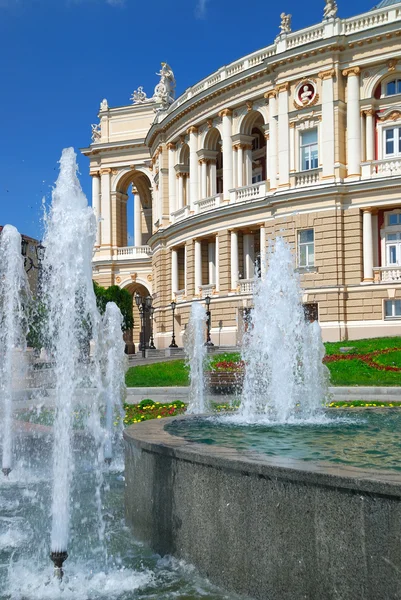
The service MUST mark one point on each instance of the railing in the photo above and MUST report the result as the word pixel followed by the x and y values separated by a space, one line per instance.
pixel 245 286
pixel 306 178
pixel 180 296
pixel 208 203
pixel 134 252
pixel 386 168
pixel 207 290
pixel 366 21
pixel 180 214
pixel 305 37
pixel 387 274
pixel 249 192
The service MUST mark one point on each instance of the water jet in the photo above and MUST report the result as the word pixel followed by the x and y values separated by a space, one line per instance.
pixel 58 559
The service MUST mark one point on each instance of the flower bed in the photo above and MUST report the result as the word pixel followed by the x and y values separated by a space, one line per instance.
pixel 368 359
pixel 225 376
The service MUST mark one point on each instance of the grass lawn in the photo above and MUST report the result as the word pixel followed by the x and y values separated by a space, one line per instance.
pixel 342 372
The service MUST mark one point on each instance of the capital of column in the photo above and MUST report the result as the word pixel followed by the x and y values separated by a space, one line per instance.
pixel 104 171
pixel 226 112
pixel 192 129
pixel 351 72
pixel 94 173
pixel 329 74
pixel 369 112
pixel 292 125
pixel 171 146
pixel 283 87
pixel 270 94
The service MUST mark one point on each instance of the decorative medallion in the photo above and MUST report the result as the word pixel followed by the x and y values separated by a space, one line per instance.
pixel 118 279
pixel 149 278
pixel 305 94
pixel 134 276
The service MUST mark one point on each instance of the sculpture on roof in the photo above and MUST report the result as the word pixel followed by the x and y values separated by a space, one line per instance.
pixel 139 96
pixel 330 9
pixel 104 104
pixel 285 25
pixel 96 132
pixel 165 89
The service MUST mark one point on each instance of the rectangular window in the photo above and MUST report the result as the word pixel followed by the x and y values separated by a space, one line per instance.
pixel 309 150
pixel 392 309
pixel 306 248
pixel 392 141
pixel 394 219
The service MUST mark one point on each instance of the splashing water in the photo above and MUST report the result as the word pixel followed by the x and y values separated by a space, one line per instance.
pixel 114 362
pixel 14 298
pixel 283 353
pixel 196 351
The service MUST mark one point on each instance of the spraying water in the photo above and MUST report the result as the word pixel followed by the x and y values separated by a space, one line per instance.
pixel 195 351
pixel 14 297
pixel 114 375
pixel 72 320
pixel 284 377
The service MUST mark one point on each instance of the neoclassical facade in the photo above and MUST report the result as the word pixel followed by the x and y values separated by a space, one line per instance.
pixel 300 139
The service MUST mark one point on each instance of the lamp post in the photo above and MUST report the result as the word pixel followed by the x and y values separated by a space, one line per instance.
pixel 144 305
pixel 152 342
pixel 28 261
pixel 173 344
pixel 208 322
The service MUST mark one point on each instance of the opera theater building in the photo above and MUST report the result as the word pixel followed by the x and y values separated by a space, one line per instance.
pixel 300 139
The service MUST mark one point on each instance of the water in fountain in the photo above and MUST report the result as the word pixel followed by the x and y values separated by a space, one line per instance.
pixel 196 351
pixel 14 298
pixel 114 362
pixel 285 378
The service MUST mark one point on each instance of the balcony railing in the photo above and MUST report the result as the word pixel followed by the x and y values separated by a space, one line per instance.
pixel 180 296
pixel 307 178
pixel 387 274
pixel 128 252
pixel 208 203
pixel 248 193
pixel 386 168
pixel 180 214
pixel 246 286
pixel 207 290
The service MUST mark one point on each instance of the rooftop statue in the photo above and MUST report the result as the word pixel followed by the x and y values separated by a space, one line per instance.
pixel 104 104
pixel 330 10
pixel 285 24
pixel 96 132
pixel 165 89
pixel 139 96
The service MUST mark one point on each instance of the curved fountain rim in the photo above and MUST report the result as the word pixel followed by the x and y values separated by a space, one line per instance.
pixel 151 436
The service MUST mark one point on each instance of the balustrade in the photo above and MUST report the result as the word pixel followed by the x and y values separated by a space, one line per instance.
pixel 387 274
pixel 134 252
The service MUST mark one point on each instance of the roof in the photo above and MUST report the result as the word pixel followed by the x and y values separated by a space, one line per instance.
pixel 385 3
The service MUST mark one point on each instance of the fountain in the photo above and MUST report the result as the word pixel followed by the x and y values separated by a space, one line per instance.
pixel 14 299
pixel 196 352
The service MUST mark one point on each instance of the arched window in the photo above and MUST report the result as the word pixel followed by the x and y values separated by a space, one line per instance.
pixel 393 87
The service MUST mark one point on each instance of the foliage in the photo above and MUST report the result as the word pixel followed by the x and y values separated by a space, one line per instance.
pixel 171 373
pixel 135 413
pixel 232 357
pixel 227 366
pixel 364 404
pixel 122 298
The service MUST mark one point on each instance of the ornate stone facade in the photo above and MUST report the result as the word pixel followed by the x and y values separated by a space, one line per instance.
pixel 300 139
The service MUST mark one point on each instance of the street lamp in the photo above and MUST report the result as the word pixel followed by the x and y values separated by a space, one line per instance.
pixel 152 342
pixel 144 305
pixel 208 322
pixel 28 261
pixel 173 344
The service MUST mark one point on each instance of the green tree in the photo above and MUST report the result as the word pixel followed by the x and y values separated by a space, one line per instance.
pixel 122 298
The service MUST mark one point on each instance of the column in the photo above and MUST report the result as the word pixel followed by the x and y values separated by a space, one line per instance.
pixel 105 211
pixel 248 164
pixel 240 165
pixel 217 265
pixel 327 147
pixel 212 177
pixel 262 251
pixel 283 135
pixel 267 136
pixel 353 122
pixel 370 134
pixel 171 178
pixel 292 147
pixel 211 255
pixel 174 272
pixel 96 203
pixel 367 246
pixel 193 166
pixel 234 260
pixel 273 138
pixel 137 218
pixel 185 270
pixel 203 164
pixel 198 266
pixel 180 180
pixel 249 256
pixel 227 153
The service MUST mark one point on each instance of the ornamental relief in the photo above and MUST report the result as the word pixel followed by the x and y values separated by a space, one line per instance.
pixel 306 94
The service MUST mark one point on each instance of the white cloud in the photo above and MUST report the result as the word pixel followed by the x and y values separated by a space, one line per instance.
pixel 200 9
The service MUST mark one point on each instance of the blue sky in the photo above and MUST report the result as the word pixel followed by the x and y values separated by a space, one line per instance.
pixel 61 57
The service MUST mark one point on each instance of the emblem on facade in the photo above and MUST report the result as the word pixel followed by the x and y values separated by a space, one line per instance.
pixel 96 133
pixel 118 279
pixel 139 96
pixel 305 94
pixel 330 9
pixel 285 25
pixel 149 278
pixel 134 276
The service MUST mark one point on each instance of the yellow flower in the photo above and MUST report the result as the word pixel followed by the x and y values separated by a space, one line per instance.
pixel 159 416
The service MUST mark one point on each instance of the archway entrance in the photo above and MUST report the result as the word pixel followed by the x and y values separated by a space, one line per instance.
pixel 142 330
pixel 134 219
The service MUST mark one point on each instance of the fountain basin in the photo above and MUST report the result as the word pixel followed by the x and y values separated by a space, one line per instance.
pixel 268 527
